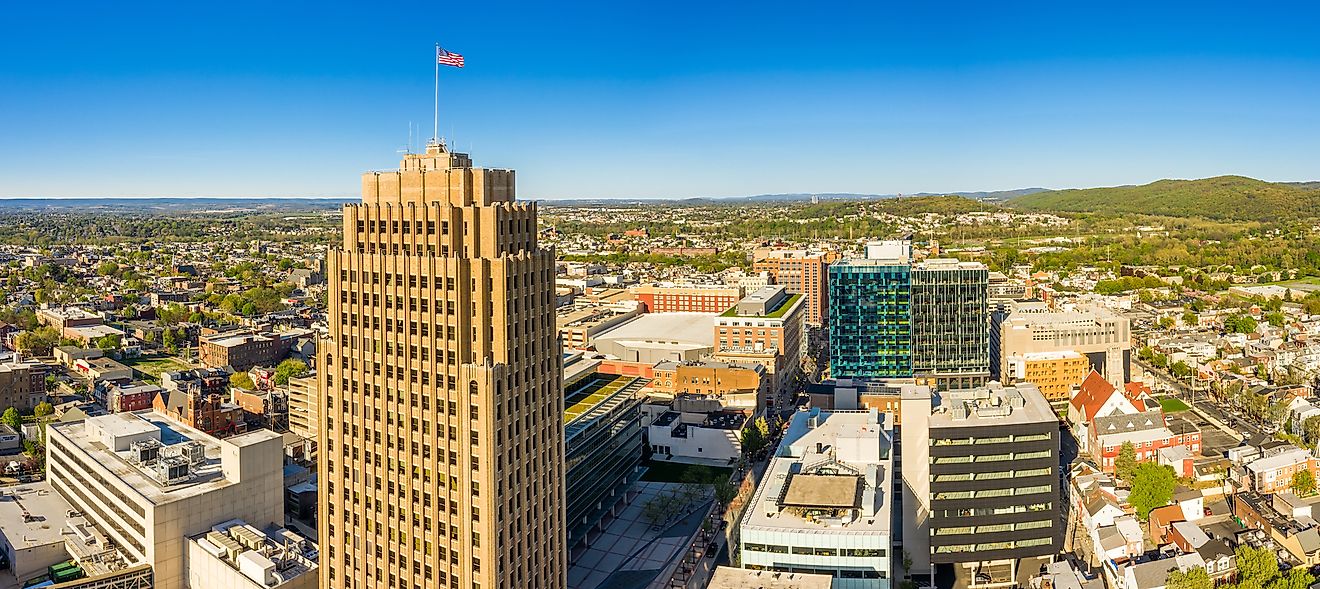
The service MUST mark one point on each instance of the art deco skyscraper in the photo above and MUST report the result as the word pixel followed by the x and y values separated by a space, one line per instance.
pixel 441 447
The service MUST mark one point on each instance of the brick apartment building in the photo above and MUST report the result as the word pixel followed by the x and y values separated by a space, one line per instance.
pixel 244 349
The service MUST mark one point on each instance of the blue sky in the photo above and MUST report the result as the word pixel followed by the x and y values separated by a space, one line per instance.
pixel 663 99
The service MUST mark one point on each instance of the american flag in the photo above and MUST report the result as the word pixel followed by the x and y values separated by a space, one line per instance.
pixel 443 57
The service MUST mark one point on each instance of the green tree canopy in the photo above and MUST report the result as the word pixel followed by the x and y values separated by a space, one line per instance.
pixel 241 380
pixel 1152 486
pixel 43 409
pixel 12 419
pixel 1303 483
pixel 1193 578
pixel 291 368
pixel 1125 465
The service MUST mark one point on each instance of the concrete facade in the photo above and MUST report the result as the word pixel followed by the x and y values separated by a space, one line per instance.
pixel 91 464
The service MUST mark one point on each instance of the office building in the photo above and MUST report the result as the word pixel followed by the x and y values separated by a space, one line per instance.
pixel 441 450
pixel 603 448
pixel 825 505
pixel 870 319
pixel 891 318
pixel 980 482
pixel 801 272
pixel 686 298
pixel 147 482
pixel 1104 337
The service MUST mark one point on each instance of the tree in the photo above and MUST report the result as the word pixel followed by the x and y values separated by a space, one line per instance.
pixel 1193 578
pixel 1239 324
pixel 169 340
pixel 1297 578
pixel 725 492
pixel 291 368
pixel 1168 322
pixel 39 341
pixel 108 342
pixel 1180 369
pixel 43 409
pixel 1125 465
pixel 752 441
pixel 1152 486
pixel 1189 319
pixel 1256 566
pixel 11 418
pixel 241 380
pixel 1303 483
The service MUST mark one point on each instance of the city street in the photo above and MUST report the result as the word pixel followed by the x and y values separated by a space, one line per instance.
pixel 1215 437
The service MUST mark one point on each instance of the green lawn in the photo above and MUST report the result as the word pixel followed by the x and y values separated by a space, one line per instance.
pixel 1172 405
pixel 674 472
pixel 150 367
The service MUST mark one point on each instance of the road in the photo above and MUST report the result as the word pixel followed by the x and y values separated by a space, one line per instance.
pixel 1212 443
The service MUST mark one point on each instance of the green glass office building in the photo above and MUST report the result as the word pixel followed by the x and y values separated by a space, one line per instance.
pixel 870 320
pixel 928 321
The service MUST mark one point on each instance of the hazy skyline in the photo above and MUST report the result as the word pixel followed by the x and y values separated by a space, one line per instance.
pixel 598 100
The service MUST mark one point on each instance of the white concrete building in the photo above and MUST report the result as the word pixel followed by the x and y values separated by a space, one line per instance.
pixel 148 482
pixel 237 555
pixel 825 505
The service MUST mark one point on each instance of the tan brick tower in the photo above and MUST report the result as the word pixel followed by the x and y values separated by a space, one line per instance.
pixel 441 446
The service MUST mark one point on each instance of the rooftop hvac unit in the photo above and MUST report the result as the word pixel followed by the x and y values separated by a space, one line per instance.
pixel 232 548
pixel 249 537
pixel 144 451
pixel 172 469
pixel 195 452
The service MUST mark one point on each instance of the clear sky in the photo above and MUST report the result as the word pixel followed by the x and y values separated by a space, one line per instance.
pixel 655 99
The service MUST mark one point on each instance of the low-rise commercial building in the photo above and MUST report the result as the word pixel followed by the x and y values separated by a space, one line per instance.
pixel 242 350
pixel 744 386
pixel 825 504
pixel 658 337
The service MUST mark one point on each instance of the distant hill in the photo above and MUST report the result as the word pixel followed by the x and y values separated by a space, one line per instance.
pixel 991 196
pixel 1221 197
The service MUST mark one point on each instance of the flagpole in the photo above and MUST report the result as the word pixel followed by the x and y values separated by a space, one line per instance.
pixel 435 131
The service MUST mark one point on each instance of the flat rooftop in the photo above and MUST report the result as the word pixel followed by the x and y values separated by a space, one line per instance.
pixel 682 329
pixel 733 578
pixel 831 474
pixel 993 404
pixel 33 515
pixel 89 435
pixel 823 490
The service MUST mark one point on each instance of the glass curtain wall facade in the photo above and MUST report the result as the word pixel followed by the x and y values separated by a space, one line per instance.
pixel 950 327
pixel 870 321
